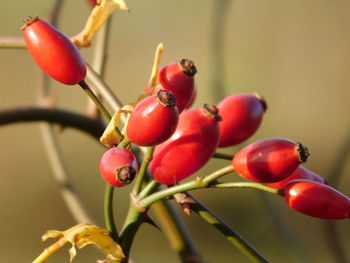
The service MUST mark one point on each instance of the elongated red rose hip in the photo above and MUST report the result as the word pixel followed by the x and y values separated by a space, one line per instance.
pixel 118 166
pixel 55 53
pixel 299 173
pixel 153 120
pixel 178 78
pixel 269 160
pixel 189 148
pixel 241 117
pixel 317 200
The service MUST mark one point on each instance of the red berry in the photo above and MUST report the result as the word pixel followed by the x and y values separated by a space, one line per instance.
pixel 177 78
pixel 189 148
pixel 269 160
pixel 299 173
pixel 118 166
pixel 55 53
pixel 153 120
pixel 241 117
pixel 317 200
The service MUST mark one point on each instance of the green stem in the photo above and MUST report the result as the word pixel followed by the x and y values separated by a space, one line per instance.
pixel 217 174
pixel 108 211
pixel 97 102
pixel 232 236
pixel 191 185
pixel 248 185
pixel 131 224
pixel 143 169
pixel 149 188
pixel 223 156
pixel 124 143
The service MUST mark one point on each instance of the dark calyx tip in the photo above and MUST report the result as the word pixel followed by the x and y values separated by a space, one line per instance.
pixel 29 20
pixel 213 111
pixel 188 67
pixel 261 99
pixel 166 98
pixel 125 174
pixel 303 152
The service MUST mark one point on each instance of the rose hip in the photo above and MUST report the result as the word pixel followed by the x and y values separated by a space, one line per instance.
pixel 153 120
pixel 189 148
pixel 317 200
pixel 55 53
pixel 118 166
pixel 269 160
pixel 241 117
pixel 178 78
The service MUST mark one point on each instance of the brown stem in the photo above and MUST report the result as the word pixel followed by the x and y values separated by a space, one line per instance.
pixel 62 117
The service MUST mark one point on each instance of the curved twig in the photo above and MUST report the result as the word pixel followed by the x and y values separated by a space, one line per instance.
pixel 59 116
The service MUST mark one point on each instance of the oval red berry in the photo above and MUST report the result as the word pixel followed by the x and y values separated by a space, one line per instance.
pixel 269 160
pixel 317 200
pixel 188 149
pixel 55 53
pixel 241 117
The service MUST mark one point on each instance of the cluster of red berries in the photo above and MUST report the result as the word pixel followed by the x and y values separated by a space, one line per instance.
pixel 186 139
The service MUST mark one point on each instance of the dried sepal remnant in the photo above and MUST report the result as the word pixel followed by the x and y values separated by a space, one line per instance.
pixel 81 235
pixel 109 137
pixel 99 15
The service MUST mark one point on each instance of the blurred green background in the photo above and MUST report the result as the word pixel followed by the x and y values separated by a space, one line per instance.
pixel 295 53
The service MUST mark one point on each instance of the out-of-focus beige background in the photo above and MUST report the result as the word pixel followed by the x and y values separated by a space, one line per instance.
pixel 295 53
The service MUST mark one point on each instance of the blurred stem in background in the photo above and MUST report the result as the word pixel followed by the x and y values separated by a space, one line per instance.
pixel 218 29
pixel 334 240
pixel 56 160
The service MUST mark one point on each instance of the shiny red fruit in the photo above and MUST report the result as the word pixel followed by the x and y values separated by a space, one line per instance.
pixel 299 173
pixel 189 148
pixel 118 166
pixel 241 117
pixel 153 120
pixel 55 53
pixel 178 78
pixel 317 200
pixel 269 160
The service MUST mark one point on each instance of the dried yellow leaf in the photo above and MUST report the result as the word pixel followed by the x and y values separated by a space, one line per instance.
pixel 99 14
pixel 80 236
pixel 109 136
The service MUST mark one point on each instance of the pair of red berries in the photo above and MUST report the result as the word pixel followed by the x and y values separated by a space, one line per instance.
pixel 275 161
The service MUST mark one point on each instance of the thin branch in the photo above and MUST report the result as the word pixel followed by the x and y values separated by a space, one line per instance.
pixel 11 42
pixel 58 116
pixel 232 236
